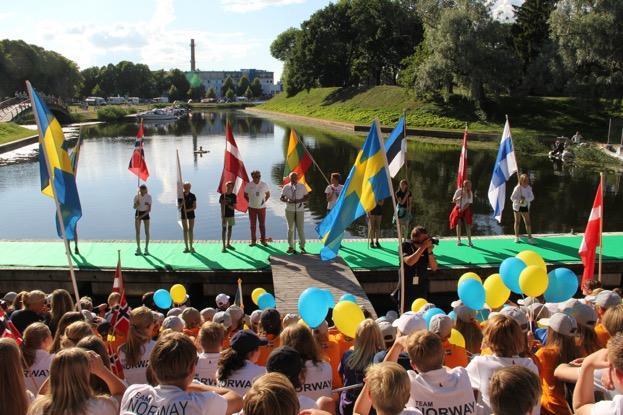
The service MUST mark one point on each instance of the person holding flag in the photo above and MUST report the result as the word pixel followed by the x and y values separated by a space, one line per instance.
pixel 593 237
pixel 187 204
pixel 137 165
pixel 295 194
pixel 142 206
pixel 257 193
pixel 463 198
pixel 521 197
pixel 227 202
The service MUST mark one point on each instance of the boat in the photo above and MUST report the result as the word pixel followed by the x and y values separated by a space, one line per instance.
pixel 157 115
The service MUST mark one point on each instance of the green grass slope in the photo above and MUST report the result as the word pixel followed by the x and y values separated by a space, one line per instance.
pixel 11 132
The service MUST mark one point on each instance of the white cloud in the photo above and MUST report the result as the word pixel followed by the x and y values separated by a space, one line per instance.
pixel 503 9
pixel 244 6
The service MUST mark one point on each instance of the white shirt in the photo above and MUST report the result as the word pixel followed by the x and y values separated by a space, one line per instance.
pixel 256 194
pixel 467 199
pixel 318 380
pixel 101 405
pixel 480 370
pixel 442 391
pixel 410 411
pixel 305 402
pixel 168 399
pixel 36 374
pixel 143 202
pixel 519 192
pixel 293 192
pixel 206 368
pixel 241 380
pixel 335 190
pixel 613 407
pixel 138 372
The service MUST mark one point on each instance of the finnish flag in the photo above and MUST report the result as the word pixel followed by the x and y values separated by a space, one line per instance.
pixel 505 167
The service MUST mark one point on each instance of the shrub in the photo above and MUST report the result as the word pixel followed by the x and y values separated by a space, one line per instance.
pixel 111 113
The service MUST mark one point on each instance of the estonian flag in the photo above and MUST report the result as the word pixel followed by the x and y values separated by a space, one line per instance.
pixel 396 148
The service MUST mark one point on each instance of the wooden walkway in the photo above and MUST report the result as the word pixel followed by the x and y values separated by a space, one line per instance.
pixel 292 274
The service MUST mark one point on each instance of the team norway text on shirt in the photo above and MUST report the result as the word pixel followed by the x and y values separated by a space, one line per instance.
pixel 427 408
pixel 141 405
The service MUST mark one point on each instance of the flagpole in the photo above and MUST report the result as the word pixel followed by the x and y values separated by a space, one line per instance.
pixel 401 279
pixel 601 225
pixel 310 156
pixel 56 202
pixel 517 164
pixel 240 292
pixel 404 133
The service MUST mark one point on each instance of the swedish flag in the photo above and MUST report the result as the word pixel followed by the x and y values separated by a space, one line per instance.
pixel 53 150
pixel 366 185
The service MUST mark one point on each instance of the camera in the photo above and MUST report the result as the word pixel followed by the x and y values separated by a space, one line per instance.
pixel 433 240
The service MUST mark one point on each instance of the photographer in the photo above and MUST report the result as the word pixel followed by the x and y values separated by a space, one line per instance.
pixel 418 256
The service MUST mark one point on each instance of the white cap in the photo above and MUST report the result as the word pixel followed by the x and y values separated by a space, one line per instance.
pixel 174 323
pixel 207 313
pixel 236 313
pixel 527 301
pixel 410 322
pixel 391 316
pixel 518 315
pixel 290 319
pixel 583 314
pixel 175 311
pixel 441 325
pixel 388 331
pixel 222 299
pixel 561 323
pixel 224 318
pixel 464 313
pixel 255 316
pixel 607 299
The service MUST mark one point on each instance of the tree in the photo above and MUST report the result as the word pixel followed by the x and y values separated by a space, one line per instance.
pixel 173 92
pixel 248 93
pixel 197 92
pixel 282 46
pixel 243 84
pixel 90 78
pixel 211 93
pixel 256 87
pixel 178 79
pixel 230 95
pixel 228 85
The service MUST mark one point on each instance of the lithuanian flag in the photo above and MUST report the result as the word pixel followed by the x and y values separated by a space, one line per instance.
pixel 298 160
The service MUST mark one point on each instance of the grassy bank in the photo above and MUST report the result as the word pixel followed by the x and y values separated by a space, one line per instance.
pixel 537 117
pixel 10 132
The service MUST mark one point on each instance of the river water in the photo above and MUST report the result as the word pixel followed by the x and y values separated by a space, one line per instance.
pixel 563 196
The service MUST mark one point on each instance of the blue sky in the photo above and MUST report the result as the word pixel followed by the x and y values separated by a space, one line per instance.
pixel 229 34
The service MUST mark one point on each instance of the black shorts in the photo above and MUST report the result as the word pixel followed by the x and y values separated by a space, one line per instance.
pixel 138 213
pixel 190 215
pixel 523 209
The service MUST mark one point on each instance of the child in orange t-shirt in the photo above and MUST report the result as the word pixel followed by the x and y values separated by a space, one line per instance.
pixel 560 348
pixel 454 355
pixel 330 351
pixel 604 301
pixel 269 328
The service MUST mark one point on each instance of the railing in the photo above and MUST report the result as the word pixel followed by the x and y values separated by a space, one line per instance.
pixel 12 107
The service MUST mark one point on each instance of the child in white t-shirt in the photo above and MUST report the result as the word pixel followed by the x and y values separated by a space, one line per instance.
pixel 387 389
pixel 514 390
pixel 210 338
pixel 434 388
pixel 173 361
pixel 503 336
pixel 237 369
pixel 611 359
pixel 37 341
pixel 134 353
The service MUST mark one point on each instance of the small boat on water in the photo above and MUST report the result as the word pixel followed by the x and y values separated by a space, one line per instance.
pixel 157 115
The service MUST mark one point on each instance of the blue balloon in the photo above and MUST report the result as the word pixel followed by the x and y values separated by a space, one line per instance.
pixel 482 315
pixel 509 271
pixel 472 293
pixel 330 299
pixel 431 313
pixel 162 299
pixel 452 315
pixel 348 297
pixel 313 306
pixel 563 283
pixel 265 301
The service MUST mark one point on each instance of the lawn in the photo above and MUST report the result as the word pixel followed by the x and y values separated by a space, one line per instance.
pixel 10 132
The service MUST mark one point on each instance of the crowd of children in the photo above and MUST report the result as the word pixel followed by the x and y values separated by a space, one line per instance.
pixel 527 358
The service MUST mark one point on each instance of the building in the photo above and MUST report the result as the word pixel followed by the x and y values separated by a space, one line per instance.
pixel 216 79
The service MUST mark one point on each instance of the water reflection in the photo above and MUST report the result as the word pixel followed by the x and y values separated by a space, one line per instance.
pixel 563 195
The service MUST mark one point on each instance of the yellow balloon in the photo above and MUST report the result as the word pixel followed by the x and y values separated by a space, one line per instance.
pixel 532 258
pixel 533 281
pixel 456 338
pixel 496 293
pixel 346 317
pixel 256 294
pixel 469 276
pixel 417 304
pixel 178 293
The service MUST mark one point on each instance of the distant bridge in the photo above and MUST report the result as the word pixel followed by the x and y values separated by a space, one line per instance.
pixel 15 107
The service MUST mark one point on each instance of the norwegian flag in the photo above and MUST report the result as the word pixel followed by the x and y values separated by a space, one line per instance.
pixel 234 171
pixel 462 176
pixel 592 236
pixel 10 330
pixel 137 165
pixel 120 320
pixel 115 362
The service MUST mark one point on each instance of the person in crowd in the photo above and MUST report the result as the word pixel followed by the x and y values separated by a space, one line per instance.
pixel 192 322
pixel 257 194
pixel 318 373
pixel 227 201
pixel 374 224
pixel 505 339
pixel 222 301
pixel 74 333
pixel 560 348
pixel 273 394
pixel 174 323
pixel 407 324
pixel 210 338
pixel 134 354
pixel 605 300
pixel 18 301
pixel 514 390
pixel 60 303
pixel 295 194
pixel 388 331
pixel 14 396
pixel 611 359
pixel 468 326
pixel 368 342
pixel 289 319
pixel 187 206
pixel 70 392
pixel 269 329
pixel 521 198
pixel 454 356
pixel 64 322
pixel 35 309
pixel 586 318
pixel 207 314
pixel 577 138
pixel 418 256
pixel 237 369
pixel 404 201
pixel 589 286
pixel 387 390
pixel 97 345
pixel 142 209
pixel 237 318
pixel 330 350
pixel 37 340
pixel 173 360
pixel 434 387
pixel 462 211
pixel 333 190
